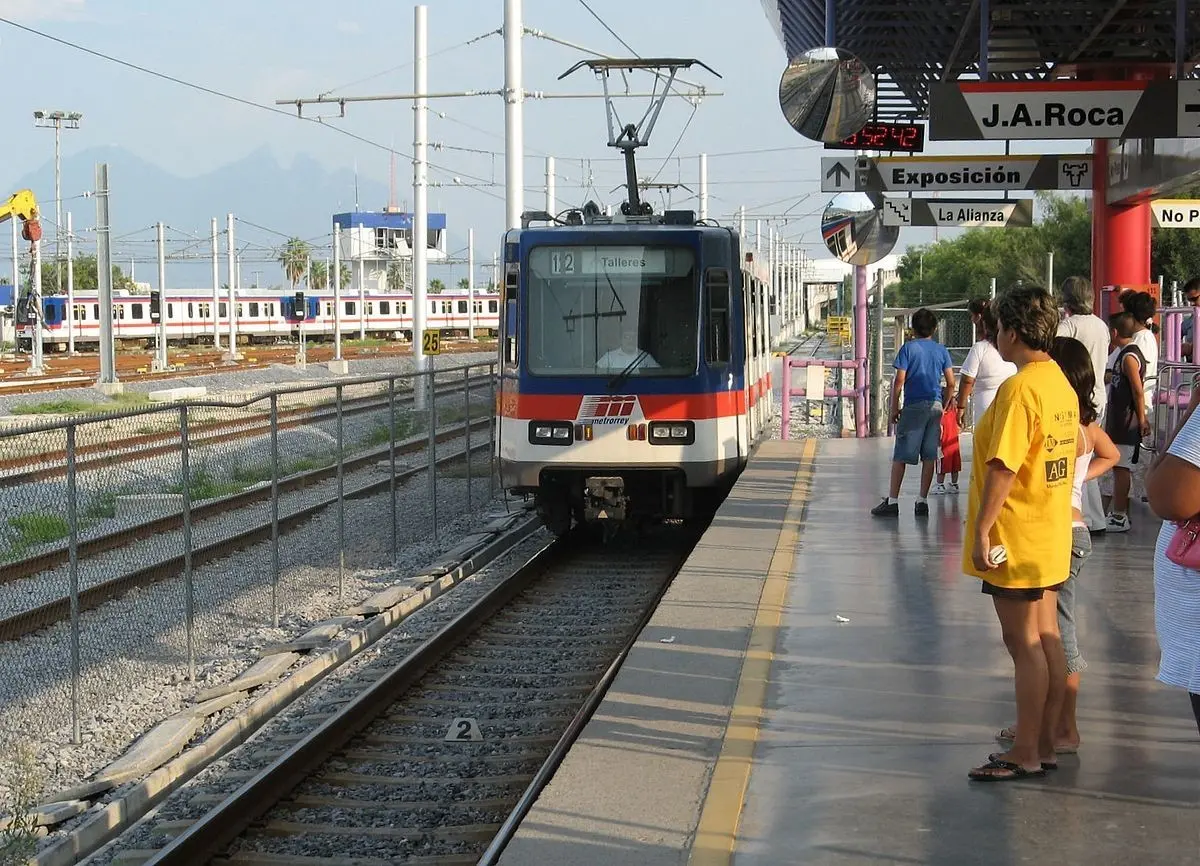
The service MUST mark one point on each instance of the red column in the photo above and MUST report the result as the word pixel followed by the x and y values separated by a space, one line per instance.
pixel 1120 234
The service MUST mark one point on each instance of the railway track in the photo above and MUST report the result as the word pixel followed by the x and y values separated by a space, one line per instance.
pixel 41 616
pixel 100 455
pixel 436 759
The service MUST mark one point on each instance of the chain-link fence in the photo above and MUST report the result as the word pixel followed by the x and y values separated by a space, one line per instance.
pixel 154 538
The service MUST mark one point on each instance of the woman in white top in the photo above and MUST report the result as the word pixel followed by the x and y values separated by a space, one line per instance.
pixel 1095 454
pixel 984 370
pixel 1173 488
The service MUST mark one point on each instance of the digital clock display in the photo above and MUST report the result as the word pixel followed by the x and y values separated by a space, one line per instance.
pixel 909 137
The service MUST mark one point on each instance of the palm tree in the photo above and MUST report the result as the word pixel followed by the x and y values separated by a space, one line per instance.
pixel 437 286
pixel 347 276
pixel 395 276
pixel 320 277
pixel 464 284
pixel 294 258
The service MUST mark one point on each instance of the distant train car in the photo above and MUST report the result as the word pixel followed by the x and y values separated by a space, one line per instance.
pixel 262 316
pixel 635 366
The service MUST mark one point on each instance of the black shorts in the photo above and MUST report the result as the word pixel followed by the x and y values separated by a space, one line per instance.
pixel 1019 594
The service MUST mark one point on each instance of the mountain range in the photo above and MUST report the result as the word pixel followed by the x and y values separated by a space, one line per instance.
pixel 295 200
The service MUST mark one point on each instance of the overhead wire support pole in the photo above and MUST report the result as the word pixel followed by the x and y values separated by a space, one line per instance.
pixel 70 315
pixel 420 224
pixel 514 118
pixel 216 286
pixel 108 361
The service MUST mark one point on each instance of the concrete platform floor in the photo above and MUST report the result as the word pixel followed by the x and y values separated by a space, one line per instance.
pixel 861 749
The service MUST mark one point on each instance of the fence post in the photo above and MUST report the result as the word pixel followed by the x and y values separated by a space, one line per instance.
pixel 467 428
pixel 341 498
pixel 428 384
pixel 392 462
pixel 785 411
pixel 73 551
pixel 275 568
pixel 189 595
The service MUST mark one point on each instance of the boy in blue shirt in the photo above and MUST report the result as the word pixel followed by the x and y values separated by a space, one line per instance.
pixel 921 366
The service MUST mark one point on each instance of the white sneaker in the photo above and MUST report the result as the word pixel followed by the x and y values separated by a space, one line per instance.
pixel 952 488
pixel 937 490
pixel 1118 523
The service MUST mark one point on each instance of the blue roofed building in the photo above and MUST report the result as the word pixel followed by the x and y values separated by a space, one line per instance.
pixel 372 241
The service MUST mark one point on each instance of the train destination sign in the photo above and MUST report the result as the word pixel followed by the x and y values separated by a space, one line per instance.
pixel 977 110
pixel 956 173
pixel 1175 213
pixel 986 213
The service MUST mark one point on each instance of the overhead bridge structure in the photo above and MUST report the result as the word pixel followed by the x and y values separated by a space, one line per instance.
pixel 1118 74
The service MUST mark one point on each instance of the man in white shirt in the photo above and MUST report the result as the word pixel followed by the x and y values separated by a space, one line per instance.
pixel 1080 323
pixel 621 357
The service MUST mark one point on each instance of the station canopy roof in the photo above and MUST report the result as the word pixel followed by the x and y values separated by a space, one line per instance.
pixel 912 43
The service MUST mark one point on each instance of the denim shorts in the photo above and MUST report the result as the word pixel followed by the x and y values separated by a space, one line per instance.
pixel 918 433
pixel 1081 549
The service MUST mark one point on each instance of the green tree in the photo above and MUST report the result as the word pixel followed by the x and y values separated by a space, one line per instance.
pixel 294 257
pixel 464 284
pixel 1175 253
pixel 395 277
pixel 320 276
pixel 347 276
pixel 86 279
pixel 436 286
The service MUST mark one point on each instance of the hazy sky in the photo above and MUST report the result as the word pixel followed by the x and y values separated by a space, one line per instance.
pixel 263 50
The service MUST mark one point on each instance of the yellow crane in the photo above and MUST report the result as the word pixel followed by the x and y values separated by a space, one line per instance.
pixel 23 205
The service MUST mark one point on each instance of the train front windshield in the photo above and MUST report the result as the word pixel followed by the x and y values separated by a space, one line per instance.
pixel 604 310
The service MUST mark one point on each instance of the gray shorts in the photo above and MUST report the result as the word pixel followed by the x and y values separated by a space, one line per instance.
pixel 918 433
pixel 1081 549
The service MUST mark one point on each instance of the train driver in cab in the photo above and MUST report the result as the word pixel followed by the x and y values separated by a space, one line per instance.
pixel 626 353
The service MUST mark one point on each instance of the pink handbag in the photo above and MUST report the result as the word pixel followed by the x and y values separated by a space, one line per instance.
pixel 1184 548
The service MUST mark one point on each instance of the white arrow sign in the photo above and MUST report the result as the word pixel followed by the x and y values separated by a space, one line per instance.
pixel 837 174
pixel 1176 213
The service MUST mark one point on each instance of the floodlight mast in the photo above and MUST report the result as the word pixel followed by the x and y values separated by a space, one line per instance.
pixel 631 136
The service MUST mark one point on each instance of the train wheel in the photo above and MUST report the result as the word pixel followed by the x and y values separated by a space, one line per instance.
pixel 555 513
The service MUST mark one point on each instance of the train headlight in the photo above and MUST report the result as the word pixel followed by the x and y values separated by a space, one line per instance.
pixel 672 432
pixel 551 432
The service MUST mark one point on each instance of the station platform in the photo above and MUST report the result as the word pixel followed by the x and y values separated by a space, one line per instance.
pixel 817 683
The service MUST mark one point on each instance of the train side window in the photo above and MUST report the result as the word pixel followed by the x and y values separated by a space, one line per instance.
pixel 254 309
pixel 370 308
pixel 462 306
pixel 349 308
pixel 404 308
pixel 385 308
pixel 79 312
pixel 170 311
pixel 96 312
pixel 137 311
pixel 492 308
pixel 328 311
pixel 206 311
pixel 222 310
pixel 716 328
pixel 240 310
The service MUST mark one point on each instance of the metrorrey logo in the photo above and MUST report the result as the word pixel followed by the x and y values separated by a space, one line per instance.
pixel 607 409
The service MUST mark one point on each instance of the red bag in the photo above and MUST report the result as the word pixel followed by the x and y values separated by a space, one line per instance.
pixel 1184 548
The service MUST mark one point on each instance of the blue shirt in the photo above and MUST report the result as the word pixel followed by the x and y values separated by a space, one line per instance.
pixel 924 362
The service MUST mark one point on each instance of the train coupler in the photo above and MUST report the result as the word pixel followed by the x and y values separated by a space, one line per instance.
pixel 604 498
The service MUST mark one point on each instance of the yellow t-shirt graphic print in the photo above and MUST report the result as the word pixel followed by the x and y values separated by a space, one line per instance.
pixel 1030 428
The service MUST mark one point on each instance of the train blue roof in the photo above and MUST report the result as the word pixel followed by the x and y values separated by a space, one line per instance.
pixel 372 220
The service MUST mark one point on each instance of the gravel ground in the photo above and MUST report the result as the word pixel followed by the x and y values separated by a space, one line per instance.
pixel 227 774
pixel 134 649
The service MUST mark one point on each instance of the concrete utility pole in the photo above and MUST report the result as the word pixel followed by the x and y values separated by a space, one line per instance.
pixel 36 310
pixel 514 125
pixel 107 383
pixel 70 288
pixel 420 226
pixel 704 186
pixel 160 361
pixel 336 279
pixel 231 253
pixel 216 281
pixel 550 208
pixel 57 119
pixel 471 283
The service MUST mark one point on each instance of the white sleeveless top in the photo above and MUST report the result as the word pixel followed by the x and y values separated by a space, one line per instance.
pixel 1081 467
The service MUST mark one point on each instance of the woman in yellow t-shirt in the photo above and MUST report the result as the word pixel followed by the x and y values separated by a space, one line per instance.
pixel 1018 538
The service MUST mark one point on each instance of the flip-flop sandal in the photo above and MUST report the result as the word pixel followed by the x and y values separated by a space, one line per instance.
pixel 1046 765
pixel 1016 771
